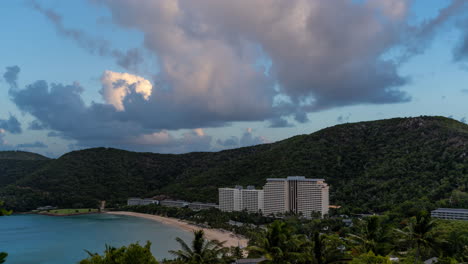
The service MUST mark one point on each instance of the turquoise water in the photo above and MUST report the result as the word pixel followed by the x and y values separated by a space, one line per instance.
pixel 38 239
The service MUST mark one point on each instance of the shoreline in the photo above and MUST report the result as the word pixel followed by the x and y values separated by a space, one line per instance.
pixel 231 239
pixel 52 214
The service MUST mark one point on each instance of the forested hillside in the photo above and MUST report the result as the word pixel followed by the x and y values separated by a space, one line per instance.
pixel 370 166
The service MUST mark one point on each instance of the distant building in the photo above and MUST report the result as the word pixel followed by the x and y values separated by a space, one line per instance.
pixel 296 194
pixel 47 207
pixel 174 203
pixel 252 200
pixel 139 201
pixel 248 261
pixel 230 199
pixel 238 199
pixel 196 206
pixel 450 213
pixel 133 201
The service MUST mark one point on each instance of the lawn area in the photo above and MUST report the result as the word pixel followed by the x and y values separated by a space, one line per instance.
pixel 70 211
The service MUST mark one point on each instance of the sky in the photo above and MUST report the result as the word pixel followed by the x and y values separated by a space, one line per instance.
pixel 176 76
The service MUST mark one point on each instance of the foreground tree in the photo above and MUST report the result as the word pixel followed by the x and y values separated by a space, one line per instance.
pixel 327 248
pixel 280 245
pixel 124 255
pixel 370 258
pixel 370 236
pixel 3 257
pixel 417 234
pixel 201 251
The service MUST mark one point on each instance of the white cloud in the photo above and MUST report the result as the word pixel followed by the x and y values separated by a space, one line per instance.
pixel 116 86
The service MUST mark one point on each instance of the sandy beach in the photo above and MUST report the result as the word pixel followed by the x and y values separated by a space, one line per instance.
pixel 230 238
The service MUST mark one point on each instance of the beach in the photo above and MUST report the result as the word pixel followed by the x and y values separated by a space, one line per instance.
pixel 230 239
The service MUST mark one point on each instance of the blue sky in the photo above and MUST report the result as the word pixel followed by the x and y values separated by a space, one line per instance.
pixel 203 63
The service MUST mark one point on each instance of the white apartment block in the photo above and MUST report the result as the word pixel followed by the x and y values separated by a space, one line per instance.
pixel 450 214
pixel 296 194
pixel 238 199
pixel 230 199
pixel 252 200
pixel 276 199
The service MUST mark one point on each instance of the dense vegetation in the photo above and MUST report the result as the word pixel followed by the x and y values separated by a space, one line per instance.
pixel 293 240
pixel 397 164
pixel 3 212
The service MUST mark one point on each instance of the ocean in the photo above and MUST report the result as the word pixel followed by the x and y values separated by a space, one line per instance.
pixel 39 239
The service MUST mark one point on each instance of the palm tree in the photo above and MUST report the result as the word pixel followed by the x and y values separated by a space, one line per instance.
pixel 456 245
pixel 327 248
pixel 279 245
pixel 3 256
pixel 418 234
pixel 3 211
pixel 371 236
pixel 134 253
pixel 201 251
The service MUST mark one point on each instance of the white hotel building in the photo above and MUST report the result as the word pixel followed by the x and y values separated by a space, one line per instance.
pixel 293 194
pixel 238 199
pixel 296 194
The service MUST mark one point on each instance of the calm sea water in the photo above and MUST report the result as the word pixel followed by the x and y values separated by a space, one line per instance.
pixel 37 239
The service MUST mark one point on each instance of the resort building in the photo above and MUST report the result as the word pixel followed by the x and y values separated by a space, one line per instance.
pixel 230 199
pixel 238 199
pixel 252 200
pixel 174 203
pixel 450 214
pixel 296 194
pixel 139 201
pixel 249 261
pixel 196 206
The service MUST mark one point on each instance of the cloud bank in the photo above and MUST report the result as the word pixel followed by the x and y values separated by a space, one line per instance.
pixel 220 62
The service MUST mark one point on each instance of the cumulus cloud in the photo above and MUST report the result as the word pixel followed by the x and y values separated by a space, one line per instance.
pixel 245 140
pixel 278 122
pixel 191 141
pixel 3 142
pixel 315 51
pixel 60 108
pixel 211 58
pixel 116 86
pixel 11 76
pixel 343 118
pixel 11 125
pixel 231 142
pixel 208 52
pixel 37 144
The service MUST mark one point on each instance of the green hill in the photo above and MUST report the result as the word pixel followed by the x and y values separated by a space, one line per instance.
pixel 20 155
pixel 370 166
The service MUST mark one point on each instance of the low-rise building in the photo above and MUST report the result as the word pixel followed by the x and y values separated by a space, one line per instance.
pixel 196 206
pixel 174 203
pixel 139 201
pixel 249 261
pixel 450 213
pixel 47 207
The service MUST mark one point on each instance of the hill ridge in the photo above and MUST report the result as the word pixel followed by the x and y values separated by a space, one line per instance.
pixel 370 166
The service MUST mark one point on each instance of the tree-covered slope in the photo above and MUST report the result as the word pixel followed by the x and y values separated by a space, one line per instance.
pixel 20 155
pixel 14 165
pixel 369 165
